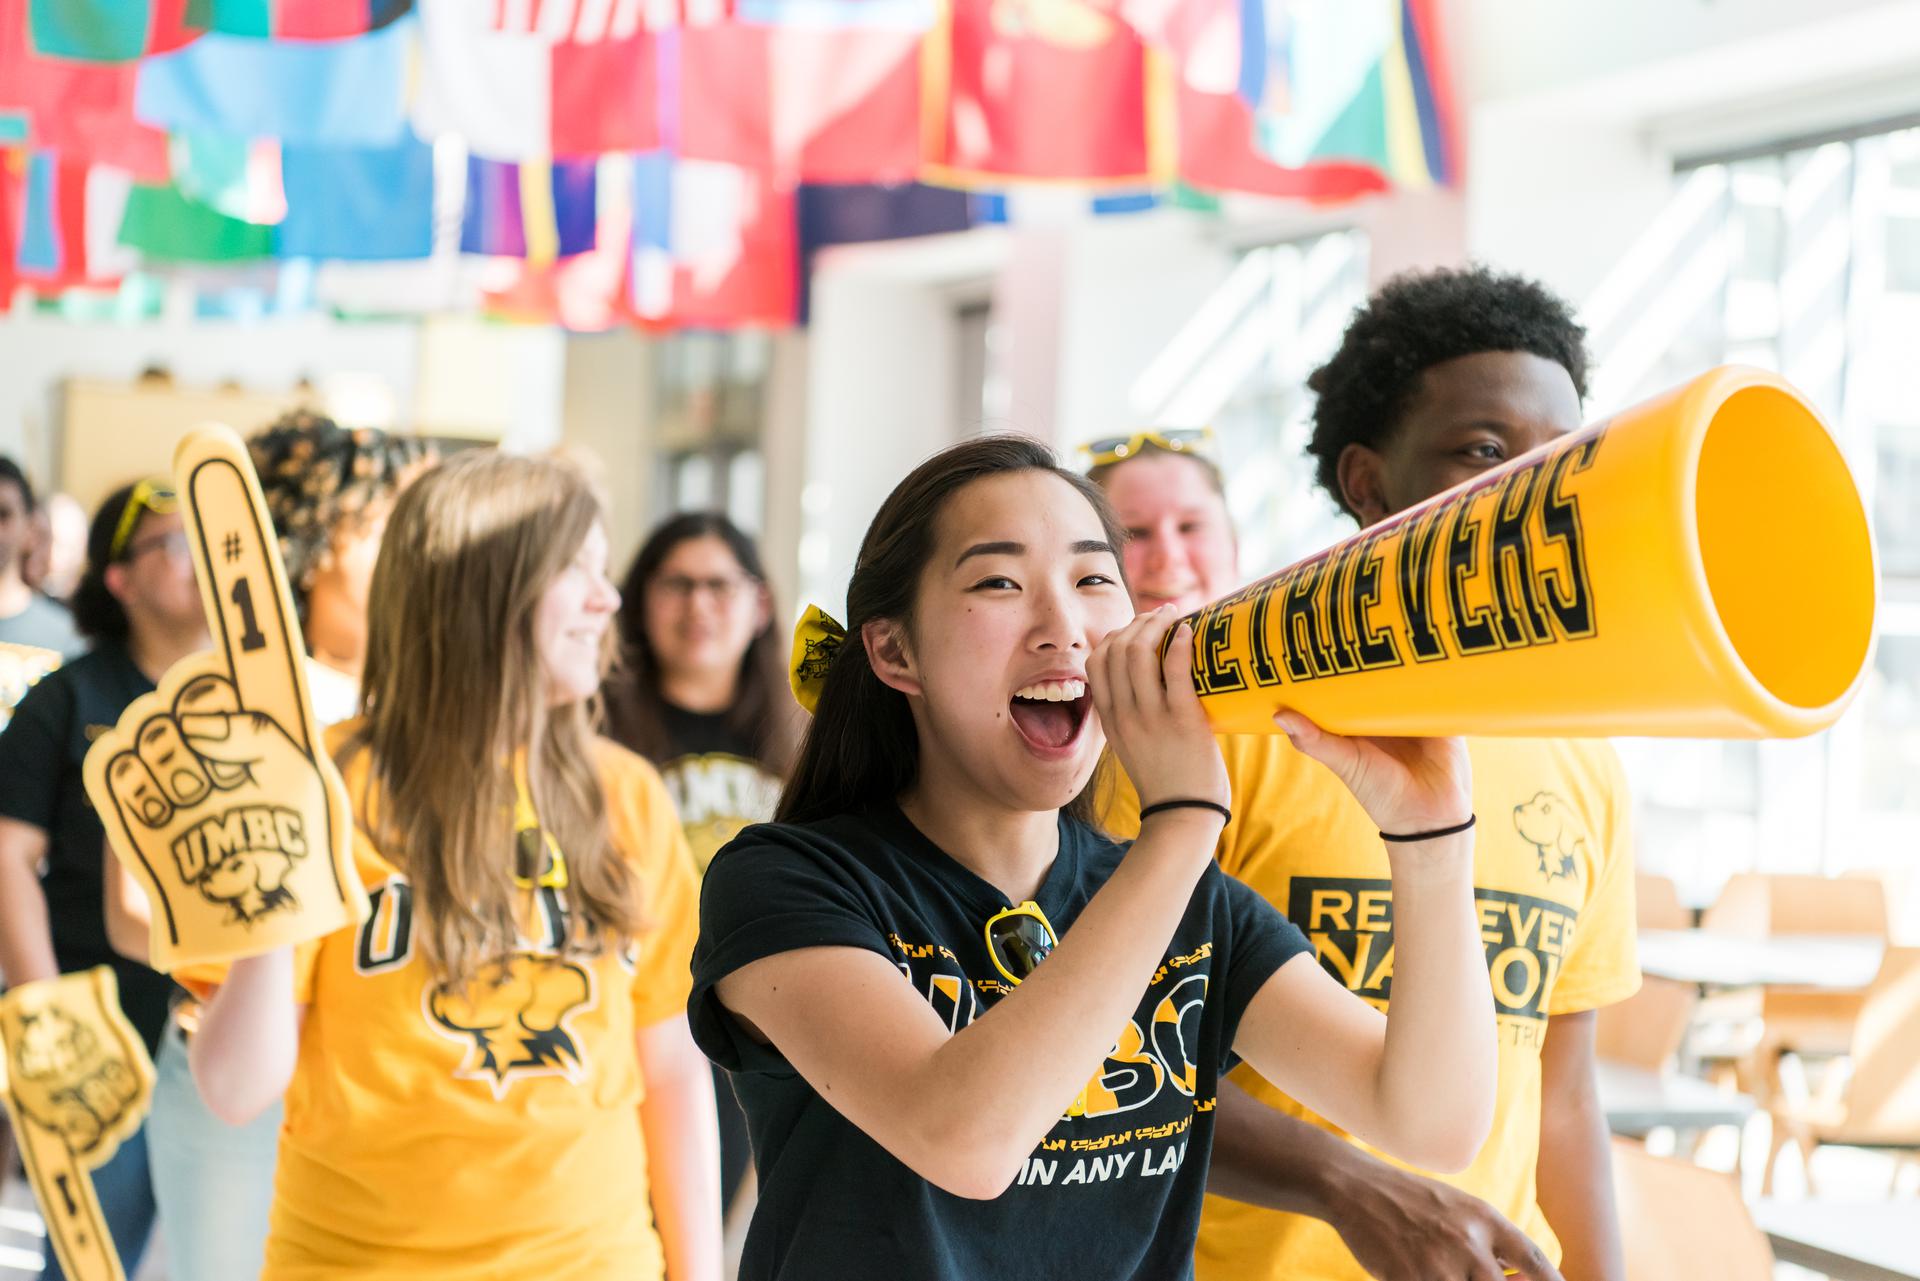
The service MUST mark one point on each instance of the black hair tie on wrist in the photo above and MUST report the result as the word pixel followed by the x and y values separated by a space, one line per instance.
pixel 1186 804
pixel 1434 835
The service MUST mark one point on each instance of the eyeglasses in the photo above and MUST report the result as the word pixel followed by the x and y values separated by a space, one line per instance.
pixel 1018 939
pixel 1175 440
pixel 149 495
pixel 173 542
pixel 681 588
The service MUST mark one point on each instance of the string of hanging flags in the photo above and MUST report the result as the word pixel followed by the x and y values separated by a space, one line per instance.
pixel 656 162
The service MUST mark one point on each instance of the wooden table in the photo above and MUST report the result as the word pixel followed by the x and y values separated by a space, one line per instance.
pixel 1636 1101
pixel 1848 1241
pixel 1824 962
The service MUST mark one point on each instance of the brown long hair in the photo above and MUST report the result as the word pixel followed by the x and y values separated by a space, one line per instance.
pixel 862 748
pixel 453 691
pixel 763 710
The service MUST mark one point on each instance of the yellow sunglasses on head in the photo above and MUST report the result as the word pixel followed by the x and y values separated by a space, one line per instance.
pixel 1018 939
pixel 1106 450
pixel 154 496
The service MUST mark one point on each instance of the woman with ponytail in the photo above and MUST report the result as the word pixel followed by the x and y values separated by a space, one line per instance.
pixel 973 1036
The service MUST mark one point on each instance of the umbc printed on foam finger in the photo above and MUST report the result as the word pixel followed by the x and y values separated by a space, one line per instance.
pixel 215 790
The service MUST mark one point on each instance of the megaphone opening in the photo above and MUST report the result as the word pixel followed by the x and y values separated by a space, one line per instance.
pixel 1785 546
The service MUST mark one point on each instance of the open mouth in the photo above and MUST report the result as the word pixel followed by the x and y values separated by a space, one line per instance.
pixel 1051 714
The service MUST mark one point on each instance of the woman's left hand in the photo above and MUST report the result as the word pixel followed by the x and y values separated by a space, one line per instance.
pixel 1404 784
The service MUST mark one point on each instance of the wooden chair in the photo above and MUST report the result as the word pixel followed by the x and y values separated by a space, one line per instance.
pixel 1873 1099
pixel 1680 1220
pixel 1756 904
pixel 1646 1029
pixel 1657 904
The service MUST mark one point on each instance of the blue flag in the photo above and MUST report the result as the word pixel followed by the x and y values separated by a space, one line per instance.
pixel 335 93
pixel 358 203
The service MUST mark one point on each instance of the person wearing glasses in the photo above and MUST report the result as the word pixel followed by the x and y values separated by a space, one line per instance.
pixel 1168 494
pixel 492 1075
pixel 140 607
pixel 702 693
pixel 974 1037
pixel 1440 377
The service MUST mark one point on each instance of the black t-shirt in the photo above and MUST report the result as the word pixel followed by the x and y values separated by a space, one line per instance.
pixel 41 753
pixel 718 788
pixel 1111 1193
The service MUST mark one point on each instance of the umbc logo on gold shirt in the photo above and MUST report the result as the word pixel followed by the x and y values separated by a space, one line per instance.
pixel 512 1018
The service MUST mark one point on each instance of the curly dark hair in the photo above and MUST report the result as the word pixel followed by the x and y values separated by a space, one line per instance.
pixel 317 476
pixel 1415 321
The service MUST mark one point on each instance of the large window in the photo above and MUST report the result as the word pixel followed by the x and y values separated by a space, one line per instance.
pixel 1240 365
pixel 1804 259
pixel 710 400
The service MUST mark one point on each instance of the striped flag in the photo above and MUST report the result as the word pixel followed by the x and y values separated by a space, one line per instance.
pixel 587 21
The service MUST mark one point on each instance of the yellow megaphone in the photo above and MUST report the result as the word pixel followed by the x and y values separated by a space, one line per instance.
pixel 1699 566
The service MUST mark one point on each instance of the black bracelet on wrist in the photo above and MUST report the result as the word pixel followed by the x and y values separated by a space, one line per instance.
pixel 1225 814
pixel 1434 835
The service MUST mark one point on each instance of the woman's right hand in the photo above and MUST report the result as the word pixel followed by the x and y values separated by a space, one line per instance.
pixel 1151 714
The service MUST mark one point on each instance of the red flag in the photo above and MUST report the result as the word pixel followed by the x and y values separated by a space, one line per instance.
pixel 1039 89
pixel 757 286
pixel 12 162
pixel 319 19
pixel 1217 154
pixel 716 245
pixel 606 95
pixel 833 105
pixel 82 110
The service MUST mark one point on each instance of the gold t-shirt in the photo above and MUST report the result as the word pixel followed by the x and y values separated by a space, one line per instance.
pixel 1553 878
pixel 491 1133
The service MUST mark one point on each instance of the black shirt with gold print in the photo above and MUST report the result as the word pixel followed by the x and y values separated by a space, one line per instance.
pixel 1113 1192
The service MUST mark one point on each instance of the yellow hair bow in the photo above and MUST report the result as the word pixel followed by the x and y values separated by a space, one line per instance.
pixel 816 639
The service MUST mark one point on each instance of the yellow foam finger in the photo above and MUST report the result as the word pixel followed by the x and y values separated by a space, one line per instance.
pixel 254 851
pixel 78 1082
pixel 249 610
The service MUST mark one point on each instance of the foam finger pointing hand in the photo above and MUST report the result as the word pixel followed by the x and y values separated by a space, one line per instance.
pixel 242 583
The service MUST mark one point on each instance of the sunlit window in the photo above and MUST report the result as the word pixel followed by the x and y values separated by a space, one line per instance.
pixel 1805 260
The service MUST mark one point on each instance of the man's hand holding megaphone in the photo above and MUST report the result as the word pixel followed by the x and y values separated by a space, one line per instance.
pixel 216 790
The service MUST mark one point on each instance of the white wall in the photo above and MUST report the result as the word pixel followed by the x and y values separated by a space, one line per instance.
pixel 38 353
pixel 430 375
pixel 882 358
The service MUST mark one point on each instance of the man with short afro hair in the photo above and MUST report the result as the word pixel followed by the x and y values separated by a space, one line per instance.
pixel 1442 377
pixel 1418 320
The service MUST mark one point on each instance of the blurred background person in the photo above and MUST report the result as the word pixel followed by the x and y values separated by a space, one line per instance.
pixel 140 607
pixel 1168 494
pixel 59 553
pixel 27 617
pixel 702 693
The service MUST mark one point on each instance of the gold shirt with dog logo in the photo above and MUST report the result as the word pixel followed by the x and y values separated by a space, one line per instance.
pixel 1553 882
